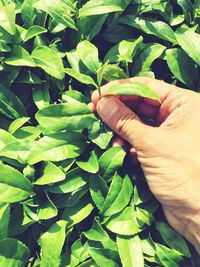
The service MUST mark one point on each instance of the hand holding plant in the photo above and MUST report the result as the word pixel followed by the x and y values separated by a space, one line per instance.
pixel 169 152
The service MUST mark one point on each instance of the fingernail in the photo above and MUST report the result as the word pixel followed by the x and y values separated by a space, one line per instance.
pixel 107 107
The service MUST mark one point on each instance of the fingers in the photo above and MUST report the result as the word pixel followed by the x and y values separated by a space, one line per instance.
pixel 162 89
pixel 121 119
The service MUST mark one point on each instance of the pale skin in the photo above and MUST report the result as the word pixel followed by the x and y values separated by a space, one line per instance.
pixel 169 151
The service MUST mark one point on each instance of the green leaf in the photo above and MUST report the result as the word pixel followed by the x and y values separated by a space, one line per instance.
pixel 50 174
pixel 133 88
pixel 41 95
pixel 90 164
pixel 10 105
pixel 78 212
pixel 130 251
pixel 16 124
pixel 172 239
pixel 56 147
pixel 14 185
pixel 127 49
pixel 48 60
pixel 28 12
pixel 47 209
pixel 13 253
pixel 27 133
pixel 34 31
pixel 88 53
pixel 59 10
pixel 167 257
pixel 96 233
pixel 190 43
pixel 69 116
pixel 119 195
pixel 150 26
pixel 20 57
pixel 82 78
pixel 111 161
pixel 4 220
pixel 182 66
pixel 5 138
pixel 98 190
pixel 123 223
pixel 51 243
pixel 7 17
pixel 93 7
pixel 74 180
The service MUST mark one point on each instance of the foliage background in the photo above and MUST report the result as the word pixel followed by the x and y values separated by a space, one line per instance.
pixel 65 199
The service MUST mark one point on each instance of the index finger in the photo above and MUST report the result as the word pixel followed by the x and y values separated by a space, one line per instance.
pixel 161 88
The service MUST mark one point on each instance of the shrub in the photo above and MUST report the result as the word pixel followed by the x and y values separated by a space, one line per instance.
pixel 67 197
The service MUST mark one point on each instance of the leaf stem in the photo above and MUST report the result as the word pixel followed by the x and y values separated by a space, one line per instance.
pixel 127 68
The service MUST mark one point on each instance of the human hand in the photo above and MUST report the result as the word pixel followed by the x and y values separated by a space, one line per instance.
pixel 169 153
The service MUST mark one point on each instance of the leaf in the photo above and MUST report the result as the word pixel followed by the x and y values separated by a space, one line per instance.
pixel 13 253
pixel 98 190
pixel 7 17
pixel 5 138
pixel 56 147
pixel 133 88
pixel 96 233
pixel 130 251
pixel 123 223
pixel 69 116
pixel 150 26
pixel 119 195
pixel 82 78
pixel 51 243
pixel 113 72
pixel 127 49
pixel 10 105
pixel 189 42
pixel 167 257
pixel 4 220
pixel 90 164
pixel 88 53
pixel 47 209
pixel 59 10
pixel 182 66
pixel 50 174
pixel 74 180
pixel 172 239
pixel 27 133
pixel 93 7
pixel 14 185
pixel 48 60
pixel 16 124
pixel 78 212
pixel 41 95
pixel 20 57
pixel 34 31
pixel 28 12
pixel 111 161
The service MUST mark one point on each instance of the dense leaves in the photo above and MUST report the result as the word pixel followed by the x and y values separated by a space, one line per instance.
pixel 67 197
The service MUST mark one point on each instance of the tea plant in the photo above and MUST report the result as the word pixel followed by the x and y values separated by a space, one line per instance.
pixel 67 197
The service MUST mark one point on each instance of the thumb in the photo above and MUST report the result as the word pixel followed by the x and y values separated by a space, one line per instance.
pixel 122 120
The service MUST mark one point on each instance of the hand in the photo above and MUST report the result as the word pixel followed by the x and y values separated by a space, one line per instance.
pixel 169 153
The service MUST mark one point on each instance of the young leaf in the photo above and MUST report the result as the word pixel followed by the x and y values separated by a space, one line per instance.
pixel 93 7
pixel 14 185
pixel 50 174
pixel 20 57
pixel 190 43
pixel 34 31
pixel 130 251
pixel 90 164
pixel 48 60
pixel 7 17
pixel 133 88
pixel 111 161
pixel 16 124
pixel 13 253
pixel 41 95
pixel 28 12
pixel 82 78
pixel 74 180
pixel 88 53
pixel 56 147
pixel 119 195
pixel 69 116
pixel 51 243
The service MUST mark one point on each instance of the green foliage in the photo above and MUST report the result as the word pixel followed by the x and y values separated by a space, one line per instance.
pixel 67 197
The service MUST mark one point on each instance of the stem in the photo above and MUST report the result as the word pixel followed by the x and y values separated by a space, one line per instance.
pixel 127 69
